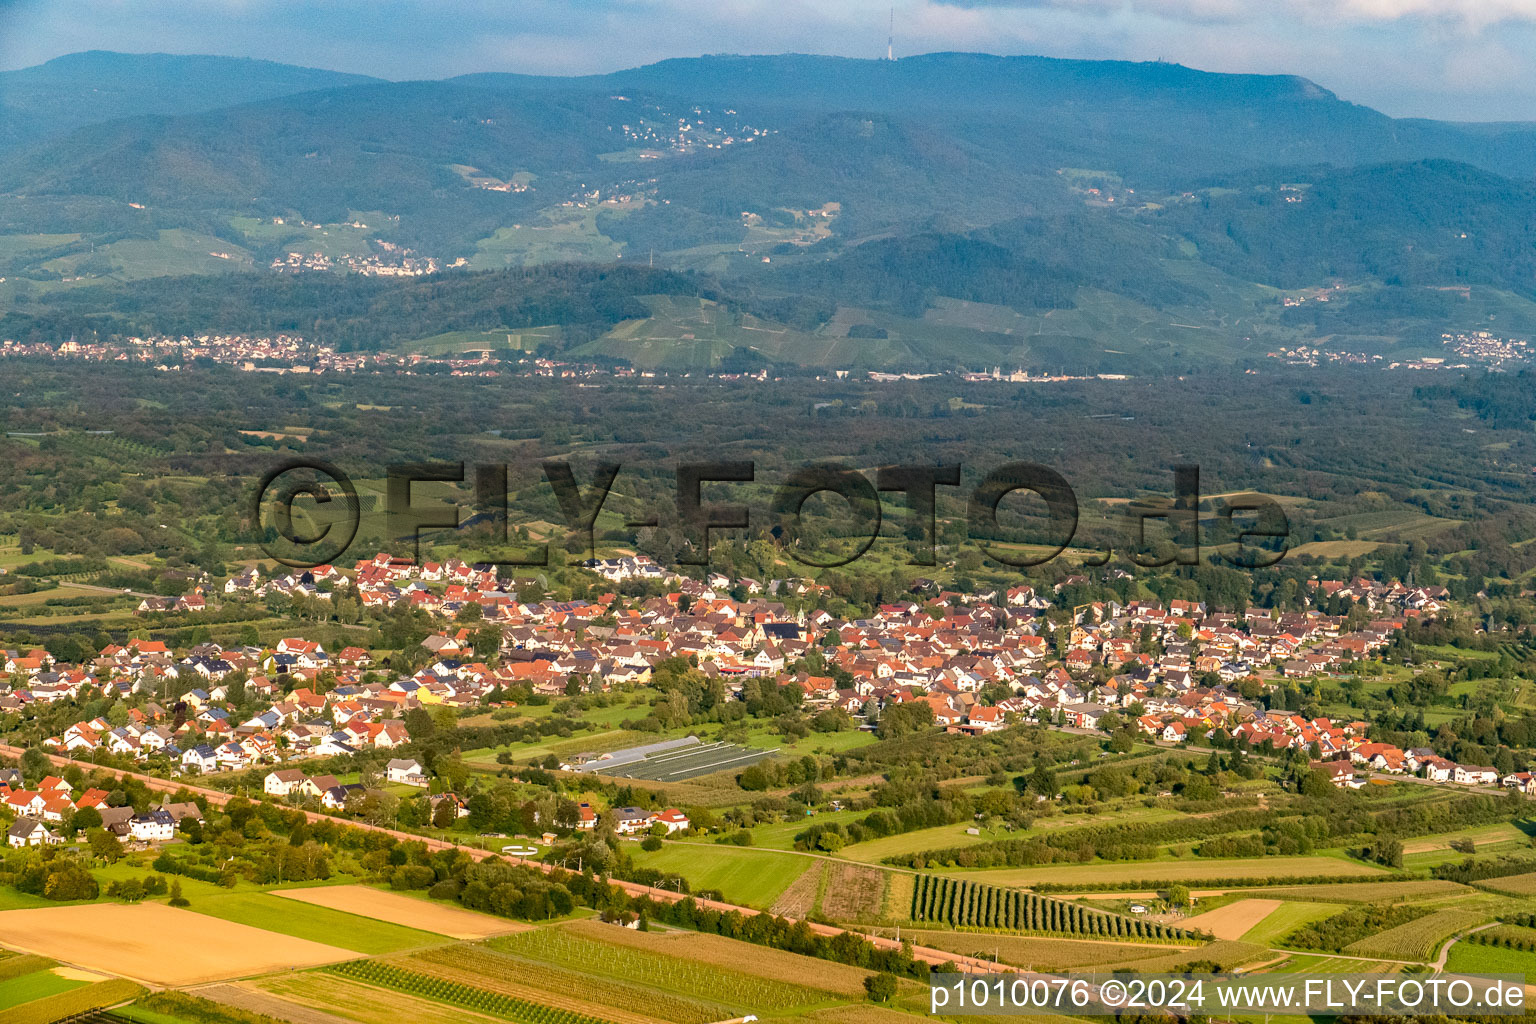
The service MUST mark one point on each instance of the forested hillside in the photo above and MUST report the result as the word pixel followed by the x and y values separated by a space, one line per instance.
pixel 944 210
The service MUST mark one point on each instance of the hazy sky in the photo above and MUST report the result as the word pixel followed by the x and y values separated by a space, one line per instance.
pixel 1470 59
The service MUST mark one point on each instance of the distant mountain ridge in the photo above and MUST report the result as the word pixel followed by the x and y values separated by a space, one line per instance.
pixel 98 85
pixel 967 81
pixel 1234 120
pixel 1248 119
pixel 1101 214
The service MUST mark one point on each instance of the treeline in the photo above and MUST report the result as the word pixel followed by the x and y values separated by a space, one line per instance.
pixel 1333 818
pixel 961 903
pixel 60 567
pixel 1340 930
pixel 1501 939
pixel 1245 882
pixel 1128 841
pixel 60 879
pixel 1283 838
pixel 1429 818
pixel 1468 871
pixel 831 837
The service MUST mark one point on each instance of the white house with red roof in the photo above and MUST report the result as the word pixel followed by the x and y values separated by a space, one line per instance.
pixel 674 819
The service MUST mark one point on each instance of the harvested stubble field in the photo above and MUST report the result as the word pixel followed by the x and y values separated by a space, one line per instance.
pixel 422 915
pixel 159 944
pixel 587 949
pixel 854 893
pixel 1044 954
pixel 1234 920
pixel 1290 916
pixel 1419 939
pixel 719 953
pixel 602 995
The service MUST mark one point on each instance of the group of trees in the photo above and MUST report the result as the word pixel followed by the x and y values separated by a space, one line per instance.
pixel 1336 932
pixel 1469 871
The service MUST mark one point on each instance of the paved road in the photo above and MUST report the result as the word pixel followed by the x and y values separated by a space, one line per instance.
pixel 219 798
pixel 1445 953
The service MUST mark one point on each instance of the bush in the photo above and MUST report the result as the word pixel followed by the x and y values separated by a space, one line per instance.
pixel 70 881
pixel 412 876
pixel 650 844
pixel 881 987
pixel 447 889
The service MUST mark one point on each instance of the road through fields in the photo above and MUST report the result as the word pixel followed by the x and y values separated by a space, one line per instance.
pixel 219 799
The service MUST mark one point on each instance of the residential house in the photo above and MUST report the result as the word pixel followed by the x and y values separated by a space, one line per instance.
pixel 406 772
pixel 155 827
pixel 674 819
pixel 630 820
pixel 283 782
pixel 30 832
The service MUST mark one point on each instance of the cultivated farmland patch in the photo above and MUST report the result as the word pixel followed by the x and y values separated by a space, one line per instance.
pixel 158 944
pixel 1514 885
pixel 422 915
pixel 1368 892
pixel 1039 953
pixel 717 951
pixel 602 950
pixel 1234 920
pixel 1419 939
pixel 854 893
pixel 364 1003
pixel 799 899
pixel 600 993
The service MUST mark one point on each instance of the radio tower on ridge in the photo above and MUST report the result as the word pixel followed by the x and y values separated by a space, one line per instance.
pixel 890 39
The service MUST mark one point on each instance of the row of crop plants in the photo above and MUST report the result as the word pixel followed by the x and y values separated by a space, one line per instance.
pixel 676 974
pixel 375 972
pixel 960 903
